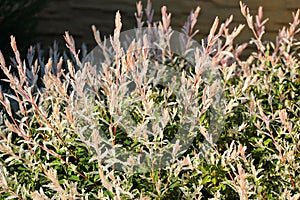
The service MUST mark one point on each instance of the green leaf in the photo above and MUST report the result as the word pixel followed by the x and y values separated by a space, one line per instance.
pixel 74 178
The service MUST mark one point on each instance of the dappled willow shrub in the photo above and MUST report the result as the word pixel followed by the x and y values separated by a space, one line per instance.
pixel 45 154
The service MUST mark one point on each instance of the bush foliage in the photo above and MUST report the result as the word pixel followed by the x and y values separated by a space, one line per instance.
pixel 45 155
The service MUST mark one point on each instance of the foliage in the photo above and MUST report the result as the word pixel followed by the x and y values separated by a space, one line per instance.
pixel 45 153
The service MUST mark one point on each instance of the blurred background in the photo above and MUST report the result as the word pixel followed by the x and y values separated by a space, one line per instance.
pixel 45 21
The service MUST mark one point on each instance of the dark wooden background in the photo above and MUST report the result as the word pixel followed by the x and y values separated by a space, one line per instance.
pixel 77 16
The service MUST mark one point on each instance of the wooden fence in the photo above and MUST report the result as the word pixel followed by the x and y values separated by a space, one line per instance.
pixel 77 16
